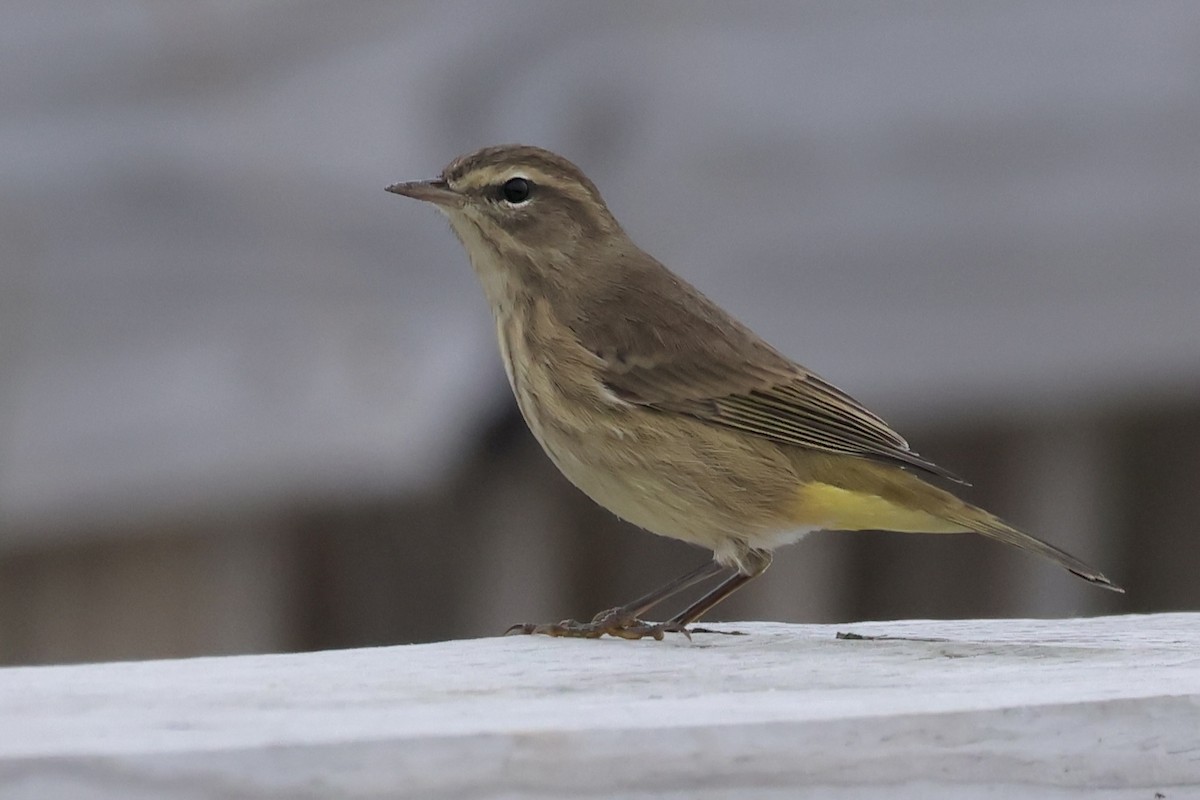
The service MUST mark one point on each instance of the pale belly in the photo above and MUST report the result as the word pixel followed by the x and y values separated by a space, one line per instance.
pixel 672 475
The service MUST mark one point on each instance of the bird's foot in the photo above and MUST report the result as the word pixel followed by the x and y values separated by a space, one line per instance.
pixel 614 622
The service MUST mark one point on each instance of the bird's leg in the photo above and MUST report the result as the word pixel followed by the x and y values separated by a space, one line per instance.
pixel 679 622
pixel 636 608
pixel 625 621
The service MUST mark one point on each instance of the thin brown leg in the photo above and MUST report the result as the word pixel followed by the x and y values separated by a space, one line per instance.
pixel 624 621
pixel 722 590
pixel 651 599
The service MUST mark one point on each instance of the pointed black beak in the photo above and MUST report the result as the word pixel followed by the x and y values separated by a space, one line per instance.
pixel 437 192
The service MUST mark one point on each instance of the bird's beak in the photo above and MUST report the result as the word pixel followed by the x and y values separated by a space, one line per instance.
pixel 437 192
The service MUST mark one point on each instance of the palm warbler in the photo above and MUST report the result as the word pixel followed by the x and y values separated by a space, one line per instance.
pixel 663 408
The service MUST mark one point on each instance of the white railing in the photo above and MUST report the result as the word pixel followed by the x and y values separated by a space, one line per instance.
pixel 935 709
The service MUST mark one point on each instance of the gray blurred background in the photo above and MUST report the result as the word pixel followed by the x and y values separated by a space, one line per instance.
pixel 250 402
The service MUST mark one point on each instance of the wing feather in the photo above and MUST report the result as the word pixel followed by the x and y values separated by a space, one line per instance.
pixel 697 360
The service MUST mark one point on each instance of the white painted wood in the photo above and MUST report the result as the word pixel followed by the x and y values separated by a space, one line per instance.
pixel 1104 707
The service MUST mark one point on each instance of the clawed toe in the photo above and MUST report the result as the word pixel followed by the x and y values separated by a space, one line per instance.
pixel 613 622
pixel 655 630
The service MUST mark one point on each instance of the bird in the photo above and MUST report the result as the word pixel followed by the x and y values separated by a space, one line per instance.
pixel 665 409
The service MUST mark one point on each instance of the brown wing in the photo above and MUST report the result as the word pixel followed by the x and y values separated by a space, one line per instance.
pixel 695 359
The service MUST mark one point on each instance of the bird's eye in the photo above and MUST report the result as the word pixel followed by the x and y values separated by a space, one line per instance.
pixel 516 190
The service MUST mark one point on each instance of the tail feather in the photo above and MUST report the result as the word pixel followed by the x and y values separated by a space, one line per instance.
pixel 980 521
pixel 845 493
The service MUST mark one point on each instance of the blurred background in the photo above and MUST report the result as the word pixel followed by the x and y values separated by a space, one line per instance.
pixel 250 402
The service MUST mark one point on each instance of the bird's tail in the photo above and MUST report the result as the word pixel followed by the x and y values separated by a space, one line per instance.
pixel 856 494
pixel 976 519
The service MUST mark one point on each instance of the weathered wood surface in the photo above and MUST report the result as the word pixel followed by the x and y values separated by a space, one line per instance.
pixel 1103 707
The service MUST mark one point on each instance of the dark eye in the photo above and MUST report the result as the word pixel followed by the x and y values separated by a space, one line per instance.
pixel 516 190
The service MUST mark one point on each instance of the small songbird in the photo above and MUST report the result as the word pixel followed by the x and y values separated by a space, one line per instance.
pixel 662 407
